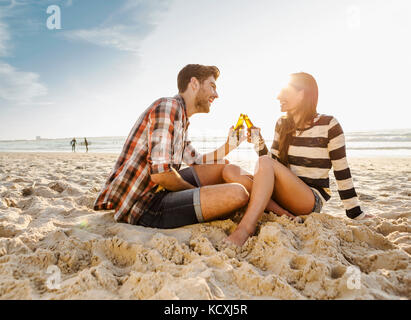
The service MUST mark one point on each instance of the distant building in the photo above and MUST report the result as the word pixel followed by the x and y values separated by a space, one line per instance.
pixel 38 138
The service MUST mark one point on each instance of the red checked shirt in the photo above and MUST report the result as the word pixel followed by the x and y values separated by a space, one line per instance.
pixel 157 143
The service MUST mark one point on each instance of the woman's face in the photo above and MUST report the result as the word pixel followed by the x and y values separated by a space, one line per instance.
pixel 290 98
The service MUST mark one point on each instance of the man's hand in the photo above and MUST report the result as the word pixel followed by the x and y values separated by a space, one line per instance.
pixel 171 180
pixel 234 140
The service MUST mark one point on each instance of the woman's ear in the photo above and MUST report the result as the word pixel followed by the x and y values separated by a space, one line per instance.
pixel 301 95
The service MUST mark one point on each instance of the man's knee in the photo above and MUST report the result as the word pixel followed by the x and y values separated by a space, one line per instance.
pixel 229 172
pixel 240 194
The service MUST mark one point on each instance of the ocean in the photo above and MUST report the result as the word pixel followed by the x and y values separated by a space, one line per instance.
pixel 388 143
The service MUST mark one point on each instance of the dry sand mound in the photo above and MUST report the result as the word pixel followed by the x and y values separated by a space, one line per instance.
pixel 326 257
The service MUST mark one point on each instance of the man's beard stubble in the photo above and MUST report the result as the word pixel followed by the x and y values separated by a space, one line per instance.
pixel 201 102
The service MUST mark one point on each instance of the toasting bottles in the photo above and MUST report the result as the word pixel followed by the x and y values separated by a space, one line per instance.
pixel 240 124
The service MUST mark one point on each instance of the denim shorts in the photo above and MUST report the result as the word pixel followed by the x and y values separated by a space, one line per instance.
pixel 169 209
pixel 318 204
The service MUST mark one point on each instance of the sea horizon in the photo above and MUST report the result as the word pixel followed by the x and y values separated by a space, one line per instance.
pixel 387 142
pixel 197 135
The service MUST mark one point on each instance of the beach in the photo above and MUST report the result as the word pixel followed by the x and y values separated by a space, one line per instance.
pixel 53 245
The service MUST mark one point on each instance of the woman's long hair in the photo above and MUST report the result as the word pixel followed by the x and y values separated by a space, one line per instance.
pixel 307 110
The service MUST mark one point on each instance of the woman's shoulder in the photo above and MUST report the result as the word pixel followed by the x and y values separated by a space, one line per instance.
pixel 325 120
pixel 279 122
pixel 283 117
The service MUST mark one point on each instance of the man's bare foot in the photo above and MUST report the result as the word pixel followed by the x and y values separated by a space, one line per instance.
pixel 238 237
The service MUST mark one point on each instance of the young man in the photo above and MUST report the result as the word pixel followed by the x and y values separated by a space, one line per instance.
pixel 146 185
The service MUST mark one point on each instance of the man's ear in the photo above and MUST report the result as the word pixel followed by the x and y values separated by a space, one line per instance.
pixel 194 83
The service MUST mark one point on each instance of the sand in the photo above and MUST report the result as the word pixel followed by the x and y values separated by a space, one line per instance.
pixel 54 246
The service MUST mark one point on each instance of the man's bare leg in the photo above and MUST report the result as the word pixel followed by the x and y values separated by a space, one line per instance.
pixel 219 201
pixel 218 198
pixel 210 174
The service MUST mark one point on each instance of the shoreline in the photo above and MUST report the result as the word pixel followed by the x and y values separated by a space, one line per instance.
pixel 118 153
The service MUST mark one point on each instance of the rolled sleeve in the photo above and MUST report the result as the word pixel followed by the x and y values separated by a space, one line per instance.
pixel 190 155
pixel 160 137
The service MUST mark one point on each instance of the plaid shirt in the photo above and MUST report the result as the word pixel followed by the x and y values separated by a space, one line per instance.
pixel 157 143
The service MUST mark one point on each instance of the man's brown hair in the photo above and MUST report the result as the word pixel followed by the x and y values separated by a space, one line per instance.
pixel 195 70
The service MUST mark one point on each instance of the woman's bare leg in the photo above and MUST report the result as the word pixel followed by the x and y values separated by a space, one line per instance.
pixel 233 173
pixel 272 179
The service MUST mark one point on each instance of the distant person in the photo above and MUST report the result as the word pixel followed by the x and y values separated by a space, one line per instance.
pixel 86 144
pixel 147 187
pixel 73 145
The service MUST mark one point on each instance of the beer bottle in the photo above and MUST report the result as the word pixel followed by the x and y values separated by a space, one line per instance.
pixel 239 122
pixel 239 125
pixel 248 121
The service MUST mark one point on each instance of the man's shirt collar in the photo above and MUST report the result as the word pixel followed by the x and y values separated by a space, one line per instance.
pixel 181 101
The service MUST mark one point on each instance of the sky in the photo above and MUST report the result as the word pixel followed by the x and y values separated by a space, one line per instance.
pixel 109 60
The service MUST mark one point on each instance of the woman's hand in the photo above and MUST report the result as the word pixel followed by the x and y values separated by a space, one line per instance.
pixel 254 137
pixel 253 134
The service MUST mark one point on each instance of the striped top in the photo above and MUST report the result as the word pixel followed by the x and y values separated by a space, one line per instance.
pixel 311 155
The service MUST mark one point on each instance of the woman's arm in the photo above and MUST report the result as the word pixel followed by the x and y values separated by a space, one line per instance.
pixel 254 136
pixel 342 173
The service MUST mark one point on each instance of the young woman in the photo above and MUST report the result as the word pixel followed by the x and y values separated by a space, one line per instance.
pixel 292 178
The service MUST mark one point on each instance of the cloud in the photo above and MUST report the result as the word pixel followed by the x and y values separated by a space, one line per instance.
pixel 4 38
pixel 118 37
pixel 16 87
pixel 19 87
pixel 125 28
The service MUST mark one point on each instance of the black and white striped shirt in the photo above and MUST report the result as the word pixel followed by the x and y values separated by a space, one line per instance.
pixel 312 154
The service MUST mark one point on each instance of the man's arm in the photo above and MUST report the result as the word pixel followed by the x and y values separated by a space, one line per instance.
pixel 231 144
pixel 160 156
pixel 218 154
pixel 171 180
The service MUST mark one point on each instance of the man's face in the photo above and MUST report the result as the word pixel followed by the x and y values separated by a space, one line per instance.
pixel 206 95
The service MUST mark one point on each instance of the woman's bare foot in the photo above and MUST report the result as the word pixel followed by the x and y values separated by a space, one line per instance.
pixel 238 237
pixel 286 213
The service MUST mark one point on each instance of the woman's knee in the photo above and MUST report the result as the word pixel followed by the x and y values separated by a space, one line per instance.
pixel 264 163
pixel 266 159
